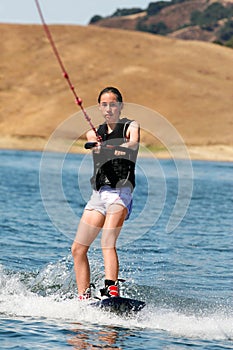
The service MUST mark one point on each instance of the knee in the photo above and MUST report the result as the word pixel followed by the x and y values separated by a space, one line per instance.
pixel 78 250
pixel 73 249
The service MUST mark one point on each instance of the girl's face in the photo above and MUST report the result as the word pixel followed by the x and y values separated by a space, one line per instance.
pixel 110 107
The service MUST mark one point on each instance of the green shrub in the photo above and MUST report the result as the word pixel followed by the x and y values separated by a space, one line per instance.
pixel 226 32
pixel 126 12
pixel 229 43
pixel 210 16
pixel 95 19
pixel 156 7
pixel 154 28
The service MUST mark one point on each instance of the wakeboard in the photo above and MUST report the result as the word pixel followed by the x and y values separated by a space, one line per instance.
pixel 119 305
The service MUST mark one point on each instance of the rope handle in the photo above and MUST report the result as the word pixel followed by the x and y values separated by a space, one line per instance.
pixel 92 144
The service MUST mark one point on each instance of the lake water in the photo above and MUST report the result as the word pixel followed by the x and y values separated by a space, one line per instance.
pixel 185 274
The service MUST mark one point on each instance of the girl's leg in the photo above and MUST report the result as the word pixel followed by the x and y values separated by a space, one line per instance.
pixel 81 267
pixel 88 229
pixel 112 226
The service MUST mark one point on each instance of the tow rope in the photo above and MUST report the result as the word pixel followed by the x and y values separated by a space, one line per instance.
pixel 78 100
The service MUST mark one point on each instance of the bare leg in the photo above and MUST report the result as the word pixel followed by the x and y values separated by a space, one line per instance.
pixel 81 266
pixel 89 227
pixel 111 229
pixel 111 263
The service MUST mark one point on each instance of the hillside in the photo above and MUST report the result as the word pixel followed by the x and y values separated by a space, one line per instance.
pixel 190 83
pixel 205 20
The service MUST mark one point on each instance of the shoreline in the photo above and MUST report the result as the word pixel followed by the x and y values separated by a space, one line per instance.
pixel 217 152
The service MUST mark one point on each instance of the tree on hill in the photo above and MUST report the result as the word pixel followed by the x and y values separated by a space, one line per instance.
pixel 216 18
pixel 154 28
pixel 226 34
pixel 95 19
pixel 210 16
pixel 156 7
pixel 126 12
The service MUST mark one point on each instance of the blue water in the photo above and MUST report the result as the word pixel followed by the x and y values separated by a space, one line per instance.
pixel 185 276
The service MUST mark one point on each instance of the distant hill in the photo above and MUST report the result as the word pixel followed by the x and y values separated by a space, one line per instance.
pixel 205 20
pixel 190 83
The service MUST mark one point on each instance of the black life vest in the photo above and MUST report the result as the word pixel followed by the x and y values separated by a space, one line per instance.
pixel 109 169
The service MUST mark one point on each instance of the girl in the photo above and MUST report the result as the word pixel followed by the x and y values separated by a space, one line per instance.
pixel 113 182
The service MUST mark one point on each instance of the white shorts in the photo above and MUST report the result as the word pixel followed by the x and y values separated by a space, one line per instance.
pixel 106 196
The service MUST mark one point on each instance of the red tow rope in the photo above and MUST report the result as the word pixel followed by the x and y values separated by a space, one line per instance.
pixel 78 100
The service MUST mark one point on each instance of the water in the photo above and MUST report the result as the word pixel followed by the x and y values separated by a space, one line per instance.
pixel 185 276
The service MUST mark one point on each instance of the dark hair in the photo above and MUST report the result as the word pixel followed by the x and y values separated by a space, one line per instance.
pixel 112 89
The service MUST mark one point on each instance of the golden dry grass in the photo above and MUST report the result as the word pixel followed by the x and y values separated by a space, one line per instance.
pixel 190 83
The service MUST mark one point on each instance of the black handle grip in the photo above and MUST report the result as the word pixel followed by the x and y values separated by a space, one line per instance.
pixel 89 145
pixel 92 144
